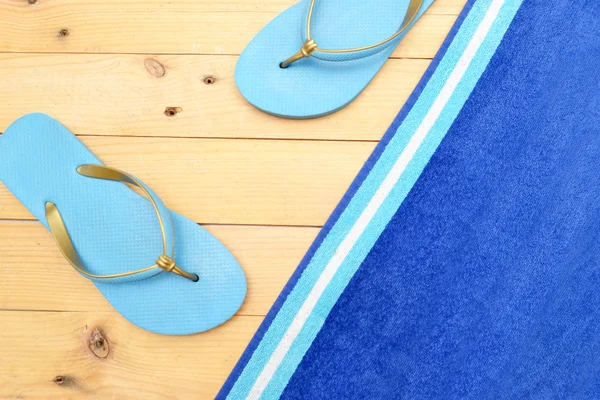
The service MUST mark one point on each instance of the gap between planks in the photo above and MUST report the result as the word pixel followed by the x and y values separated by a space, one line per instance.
pixel 116 53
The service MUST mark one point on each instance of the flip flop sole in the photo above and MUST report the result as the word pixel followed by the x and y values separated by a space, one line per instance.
pixel 313 87
pixel 115 230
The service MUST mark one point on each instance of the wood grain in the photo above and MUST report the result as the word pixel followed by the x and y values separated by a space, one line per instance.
pixel 264 184
pixel 225 181
pixel 35 276
pixel 126 95
pixel 180 26
pixel 36 347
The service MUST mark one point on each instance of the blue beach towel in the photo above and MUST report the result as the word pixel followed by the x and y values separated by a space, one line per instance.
pixel 464 261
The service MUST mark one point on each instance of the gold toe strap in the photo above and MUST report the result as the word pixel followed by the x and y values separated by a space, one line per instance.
pixel 168 264
pixel 306 50
pixel 63 239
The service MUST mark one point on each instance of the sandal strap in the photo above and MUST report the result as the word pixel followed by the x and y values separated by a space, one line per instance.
pixel 310 47
pixel 59 230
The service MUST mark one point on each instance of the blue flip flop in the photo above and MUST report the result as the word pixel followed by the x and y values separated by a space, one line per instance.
pixel 343 44
pixel 160 270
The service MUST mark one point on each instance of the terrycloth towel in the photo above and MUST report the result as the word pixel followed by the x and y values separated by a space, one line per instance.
pixel 464 261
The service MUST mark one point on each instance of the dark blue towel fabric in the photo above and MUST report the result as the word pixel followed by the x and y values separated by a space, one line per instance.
pixel 486 283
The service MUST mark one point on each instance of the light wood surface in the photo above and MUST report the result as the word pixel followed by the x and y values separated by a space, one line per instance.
pixel 38 346
pixel 263 185
pixel 134 100
pixel 232 181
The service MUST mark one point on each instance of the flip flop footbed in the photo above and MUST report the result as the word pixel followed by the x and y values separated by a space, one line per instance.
pixel 313 87
pixel 116 230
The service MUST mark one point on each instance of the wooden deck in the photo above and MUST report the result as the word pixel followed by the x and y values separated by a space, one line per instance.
pixel 109 69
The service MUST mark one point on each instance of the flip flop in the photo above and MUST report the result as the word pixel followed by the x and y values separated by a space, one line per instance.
pixel 318 55
pixel 160 270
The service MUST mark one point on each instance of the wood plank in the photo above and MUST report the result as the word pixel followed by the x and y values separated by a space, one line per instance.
pixel 36 347
pixel 35 276
pixel 225 181
pixel 180 26
pixel 116 95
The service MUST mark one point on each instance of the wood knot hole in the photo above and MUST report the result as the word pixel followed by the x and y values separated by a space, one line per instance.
pixel 59 380
pixel 32 2
pixel 64 32
pixel 172 111
pixel 98 344
pixel 155 68
pixel 209 80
